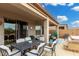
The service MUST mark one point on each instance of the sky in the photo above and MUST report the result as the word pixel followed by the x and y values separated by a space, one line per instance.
pixel 9 25
pixel 64 13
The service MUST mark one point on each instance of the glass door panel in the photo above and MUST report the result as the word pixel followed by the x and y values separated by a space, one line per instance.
pixel 9 32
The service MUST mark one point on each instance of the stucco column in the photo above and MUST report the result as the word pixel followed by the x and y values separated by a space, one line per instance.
pixel 41 30
pixel 57 27
pixel 1 30
pixel 46 30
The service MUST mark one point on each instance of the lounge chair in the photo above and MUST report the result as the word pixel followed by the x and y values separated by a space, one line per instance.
pixel 5 51
pixel 36 52
pixel 72 43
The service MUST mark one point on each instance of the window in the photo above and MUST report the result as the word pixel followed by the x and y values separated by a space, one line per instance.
pixel 38 30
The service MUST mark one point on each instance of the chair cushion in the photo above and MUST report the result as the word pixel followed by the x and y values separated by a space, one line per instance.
pixel 32 53
pixel 16 53
pixel 20 40
pixel 5 48
pixel 28 38
pixel 47 48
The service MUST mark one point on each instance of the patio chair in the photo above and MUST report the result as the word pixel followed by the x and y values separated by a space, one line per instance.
pixel 51 49
pixel 36 52
pixel 32 37
pixel 5 51
pixel 28 39
pixel 20 40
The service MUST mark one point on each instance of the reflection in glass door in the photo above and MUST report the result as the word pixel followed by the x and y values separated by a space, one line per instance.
pixel 9 32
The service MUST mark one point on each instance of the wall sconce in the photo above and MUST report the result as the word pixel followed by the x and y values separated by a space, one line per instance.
pixel 31 28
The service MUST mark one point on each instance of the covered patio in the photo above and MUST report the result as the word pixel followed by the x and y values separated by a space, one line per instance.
pixel 19 22
pixel 36 18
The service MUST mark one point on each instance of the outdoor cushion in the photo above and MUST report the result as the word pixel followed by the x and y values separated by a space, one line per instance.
pixel 47 48
pixel 28 39
pixel 20 40
pixel 32 53
pixel 5 48
pixel 15 53
pixel 34 50
pixel 41 38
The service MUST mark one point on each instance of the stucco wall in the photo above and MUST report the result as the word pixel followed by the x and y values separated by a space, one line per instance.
pixel 31 29
pixel 2 31
pixel 74 32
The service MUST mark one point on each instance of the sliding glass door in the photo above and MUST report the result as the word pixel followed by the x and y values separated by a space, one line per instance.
pixel 22 29
pixel 9 32
pixel 14 30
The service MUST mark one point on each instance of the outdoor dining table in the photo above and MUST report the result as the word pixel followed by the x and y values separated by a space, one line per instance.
pixel 36 42
pixel 23 46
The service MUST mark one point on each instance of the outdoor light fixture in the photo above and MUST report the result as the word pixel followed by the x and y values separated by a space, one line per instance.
pixel 30 27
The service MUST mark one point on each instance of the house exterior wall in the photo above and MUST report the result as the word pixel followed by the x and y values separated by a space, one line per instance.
pixel 74 32
pixel 52 29
pixel 62 33
pixel 63 29
pixel 31 29
pixel 63 26
pixel 2 31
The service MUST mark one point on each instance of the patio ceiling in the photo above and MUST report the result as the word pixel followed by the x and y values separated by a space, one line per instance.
pixel 23 12
pixel 19 12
